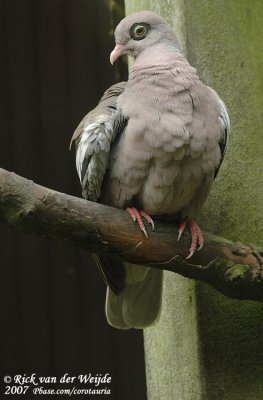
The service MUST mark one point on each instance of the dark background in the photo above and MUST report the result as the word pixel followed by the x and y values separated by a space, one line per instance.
pixel 54 66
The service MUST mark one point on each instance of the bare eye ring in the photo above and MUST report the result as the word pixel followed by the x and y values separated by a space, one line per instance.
pixel 138 31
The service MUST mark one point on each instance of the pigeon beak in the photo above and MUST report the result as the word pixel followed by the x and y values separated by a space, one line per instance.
pixel 116 53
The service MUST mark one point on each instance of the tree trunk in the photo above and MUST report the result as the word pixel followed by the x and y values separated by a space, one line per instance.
pixel 206 346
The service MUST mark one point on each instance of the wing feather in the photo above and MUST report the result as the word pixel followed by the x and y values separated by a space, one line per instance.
pixel 224 122
pixel 94 137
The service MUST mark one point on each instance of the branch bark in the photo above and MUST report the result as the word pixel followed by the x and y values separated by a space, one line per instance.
pixel 234 269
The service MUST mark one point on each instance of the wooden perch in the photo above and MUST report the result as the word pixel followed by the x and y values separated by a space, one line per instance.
pixel 234 269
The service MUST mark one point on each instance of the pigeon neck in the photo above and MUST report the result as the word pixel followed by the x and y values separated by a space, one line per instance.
pixel 163 54
pixel 162 59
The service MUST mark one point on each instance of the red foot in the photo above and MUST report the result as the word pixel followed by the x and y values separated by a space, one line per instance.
pixel 196 233
pixel 137 217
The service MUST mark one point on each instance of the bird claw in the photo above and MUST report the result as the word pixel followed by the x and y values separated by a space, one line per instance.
pixel 148 218
pixel 180 230
pixel 200 246
pixel 145 232
pixel 137 217
pixel 192 251
pixel 196 234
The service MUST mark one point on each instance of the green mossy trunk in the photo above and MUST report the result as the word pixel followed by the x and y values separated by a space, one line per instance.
pixel 206 346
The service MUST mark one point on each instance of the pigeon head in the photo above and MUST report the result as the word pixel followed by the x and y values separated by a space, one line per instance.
pixel 139 31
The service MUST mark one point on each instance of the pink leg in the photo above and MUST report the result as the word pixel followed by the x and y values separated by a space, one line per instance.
pixel 196 234
pixel 137 217
pixel 197 238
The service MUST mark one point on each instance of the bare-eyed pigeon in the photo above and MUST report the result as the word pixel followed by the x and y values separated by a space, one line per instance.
pixel 153 146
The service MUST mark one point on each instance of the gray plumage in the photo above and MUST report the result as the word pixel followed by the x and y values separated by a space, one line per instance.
pixel 156 143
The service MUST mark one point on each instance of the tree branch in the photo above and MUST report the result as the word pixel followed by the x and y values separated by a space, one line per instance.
pixel 234 269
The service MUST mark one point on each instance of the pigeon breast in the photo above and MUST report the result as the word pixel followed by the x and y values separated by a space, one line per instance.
pixel 170 144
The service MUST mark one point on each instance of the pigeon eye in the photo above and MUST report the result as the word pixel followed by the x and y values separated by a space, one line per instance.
pixel 139 31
